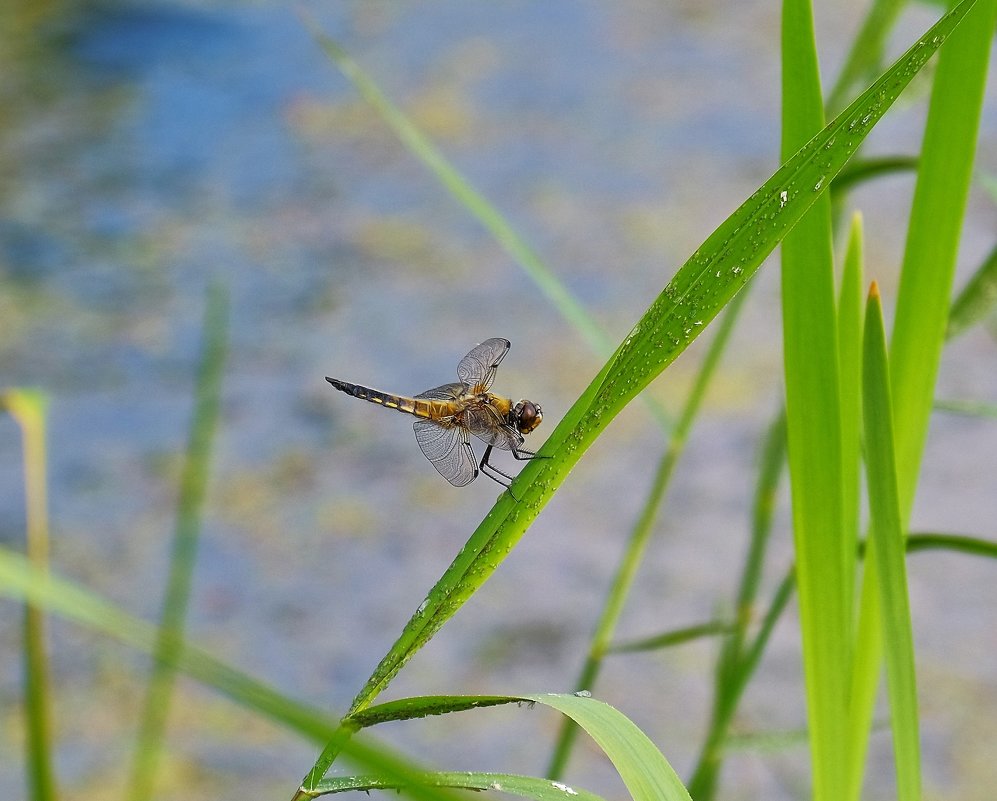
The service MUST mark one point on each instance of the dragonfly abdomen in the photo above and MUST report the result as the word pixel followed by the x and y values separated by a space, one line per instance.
pixel 414 406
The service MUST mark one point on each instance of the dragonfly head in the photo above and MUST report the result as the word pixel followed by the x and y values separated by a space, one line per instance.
pixel 527 415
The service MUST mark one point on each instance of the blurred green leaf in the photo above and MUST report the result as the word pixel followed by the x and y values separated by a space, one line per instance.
pixel 976 300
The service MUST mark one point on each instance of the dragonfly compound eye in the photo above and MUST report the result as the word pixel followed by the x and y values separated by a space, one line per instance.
pixel 528 416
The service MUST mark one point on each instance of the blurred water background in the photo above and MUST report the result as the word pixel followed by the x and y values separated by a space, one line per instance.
pixel 148 148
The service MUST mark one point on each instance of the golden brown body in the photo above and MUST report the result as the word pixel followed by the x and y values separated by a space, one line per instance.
pixel 448 414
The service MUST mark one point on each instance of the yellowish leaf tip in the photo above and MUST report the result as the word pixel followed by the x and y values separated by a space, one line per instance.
pixel 873 291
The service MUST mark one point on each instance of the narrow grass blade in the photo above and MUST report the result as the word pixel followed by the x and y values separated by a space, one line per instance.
pixel 850 363
pixel 426 705
pixel 512 784
pixel 735 663
pixel 866 53
pixel 861 170
pixel 976 300
pixel 672 638
pixel 701 288
pixel 888 545
pixel 644 770
pixel 640 535
pixel 864 645
pixel 933 236
pixel 961 543
pixel 28 408
pixel 967 408
pixel 22 581
pixel 814 422
pixel 193 485
pixel 936 216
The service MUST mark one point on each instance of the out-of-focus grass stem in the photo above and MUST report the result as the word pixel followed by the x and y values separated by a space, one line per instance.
pixel 28 408
pixel 193 485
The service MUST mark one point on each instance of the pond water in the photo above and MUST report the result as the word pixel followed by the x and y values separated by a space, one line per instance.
pixel 150 149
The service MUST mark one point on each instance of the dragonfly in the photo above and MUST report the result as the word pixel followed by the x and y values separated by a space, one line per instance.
pixel 449 414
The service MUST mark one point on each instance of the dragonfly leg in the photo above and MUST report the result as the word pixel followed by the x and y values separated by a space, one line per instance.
pixel 492 471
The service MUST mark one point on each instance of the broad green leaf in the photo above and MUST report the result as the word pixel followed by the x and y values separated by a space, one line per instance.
pixel 644 770
pixel 699 290
pixel 887 540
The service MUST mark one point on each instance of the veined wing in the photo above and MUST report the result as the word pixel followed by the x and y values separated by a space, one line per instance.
pixel 482 421
pixel 477 369
pixel 447 392
pixel 448 447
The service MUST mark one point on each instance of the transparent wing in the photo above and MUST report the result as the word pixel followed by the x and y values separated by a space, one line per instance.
pixel 477 369
pixel 486 425
pixel 444 392
pixel 449 449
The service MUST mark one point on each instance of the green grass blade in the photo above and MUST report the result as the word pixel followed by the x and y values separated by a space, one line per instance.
pixel 864 678
pixel 976 300
pixel 22 581
pixel 734 664
pixel 960 543
pixel 669 639
pixel 968 408
pixel 850 363
pixel 523 786
pixel 426 705
pixel 861 170
pixel 813 422
pixel 640 536
pixel 864 642
pixel 945 167
pixel 701 288
pixel 28 408
pixel 193 486
pixel 888 545
pixel 866 53
pixel 645 772
pixel 933 235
